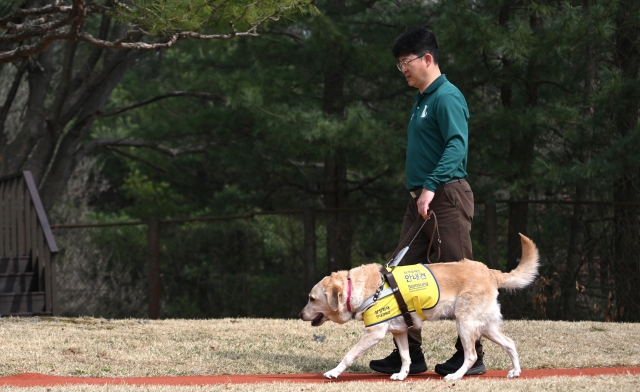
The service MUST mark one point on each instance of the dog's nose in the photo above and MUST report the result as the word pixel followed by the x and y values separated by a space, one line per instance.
pixel 300 315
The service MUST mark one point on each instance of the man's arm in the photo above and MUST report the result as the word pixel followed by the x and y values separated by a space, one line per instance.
pixel 452 115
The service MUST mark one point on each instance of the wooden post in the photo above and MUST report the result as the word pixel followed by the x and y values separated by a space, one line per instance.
pixel 309 219
pixel 154 269
pixel 491 233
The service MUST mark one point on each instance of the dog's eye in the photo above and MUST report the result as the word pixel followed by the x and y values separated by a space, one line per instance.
pixel 311 299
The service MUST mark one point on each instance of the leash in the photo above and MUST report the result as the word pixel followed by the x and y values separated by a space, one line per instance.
pixel 396 257
pixel 401 250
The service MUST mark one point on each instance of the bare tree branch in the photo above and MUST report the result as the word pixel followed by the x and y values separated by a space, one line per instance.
pixel 30 30
pixel 95 84
pixel 137 158
pixel 25 51
pixel 295 37
pixel 366 181
pixel 56 22
pixel 169 151
pixel 203 95
pixel 54 136
pixel 23 12
pixel 551 82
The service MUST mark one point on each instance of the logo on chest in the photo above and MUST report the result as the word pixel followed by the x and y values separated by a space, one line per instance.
pixel 424 111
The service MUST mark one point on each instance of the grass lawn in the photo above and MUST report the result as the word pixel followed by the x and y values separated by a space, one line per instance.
pixel 125 348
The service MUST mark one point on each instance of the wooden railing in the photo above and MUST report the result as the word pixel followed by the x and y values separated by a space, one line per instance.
pixel 27 250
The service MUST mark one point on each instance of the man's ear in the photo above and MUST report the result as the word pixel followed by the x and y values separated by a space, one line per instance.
pixel 333 294
pixel 428 59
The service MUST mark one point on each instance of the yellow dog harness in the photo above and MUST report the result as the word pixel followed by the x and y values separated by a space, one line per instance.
pixel 418 287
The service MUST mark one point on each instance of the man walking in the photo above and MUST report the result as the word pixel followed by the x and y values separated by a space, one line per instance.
pixel 436 165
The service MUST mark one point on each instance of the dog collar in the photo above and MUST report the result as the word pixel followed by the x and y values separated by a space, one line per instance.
pixel 349 293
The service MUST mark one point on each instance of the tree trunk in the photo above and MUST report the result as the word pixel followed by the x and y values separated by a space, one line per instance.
pixel 569 291
pixel 626 264
pixel 51 140
pixel 15 153
pixel 573 264
pixel 70 152
pixel 521 153
pixel 339 231
pixel 335 193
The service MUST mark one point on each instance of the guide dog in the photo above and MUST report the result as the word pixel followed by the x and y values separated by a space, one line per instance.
pixel 468 292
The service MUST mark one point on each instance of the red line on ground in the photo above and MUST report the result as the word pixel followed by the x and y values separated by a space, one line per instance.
pixel 37 379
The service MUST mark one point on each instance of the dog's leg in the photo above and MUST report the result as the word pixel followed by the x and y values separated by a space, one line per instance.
pixel 370 337
pixel 402 342
pixel 494 334
pixel 468 333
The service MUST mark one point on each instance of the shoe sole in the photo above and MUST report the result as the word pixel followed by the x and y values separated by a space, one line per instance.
pixel 414 370
pixel 471 372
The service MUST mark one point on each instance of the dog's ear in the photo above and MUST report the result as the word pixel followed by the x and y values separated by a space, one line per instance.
pixel 333 294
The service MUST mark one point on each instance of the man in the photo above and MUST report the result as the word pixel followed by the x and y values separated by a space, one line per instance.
pixel 436 164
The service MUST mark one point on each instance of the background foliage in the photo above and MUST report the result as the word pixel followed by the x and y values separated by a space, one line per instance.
pixel 312 113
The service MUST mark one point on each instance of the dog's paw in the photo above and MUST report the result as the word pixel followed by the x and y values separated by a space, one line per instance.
pixel 399 376
pixel 332 374
pixel 513 373
pixel 453 377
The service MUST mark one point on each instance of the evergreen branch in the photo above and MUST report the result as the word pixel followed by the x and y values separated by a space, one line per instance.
pixel 273 114
pixel 244 12
pixel 214 11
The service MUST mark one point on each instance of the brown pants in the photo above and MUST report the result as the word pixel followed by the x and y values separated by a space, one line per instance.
pixel 453 207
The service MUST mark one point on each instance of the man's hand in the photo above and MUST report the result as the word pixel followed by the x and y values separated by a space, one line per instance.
pixel 423 202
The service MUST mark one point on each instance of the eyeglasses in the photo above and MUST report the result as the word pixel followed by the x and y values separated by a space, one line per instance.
pixel 403 65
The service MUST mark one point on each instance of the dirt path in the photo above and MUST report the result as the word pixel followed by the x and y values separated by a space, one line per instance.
pixel 37 379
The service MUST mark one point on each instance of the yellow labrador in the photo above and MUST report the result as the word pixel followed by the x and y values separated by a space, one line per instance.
pixel 468 292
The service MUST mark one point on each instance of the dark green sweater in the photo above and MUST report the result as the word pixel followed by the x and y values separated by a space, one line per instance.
pixel 438 137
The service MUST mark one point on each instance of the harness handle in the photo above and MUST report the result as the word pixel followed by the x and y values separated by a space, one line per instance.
pixel 403 249
pixel 403 241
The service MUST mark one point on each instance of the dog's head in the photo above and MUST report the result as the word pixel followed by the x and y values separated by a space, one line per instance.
pixel 327 301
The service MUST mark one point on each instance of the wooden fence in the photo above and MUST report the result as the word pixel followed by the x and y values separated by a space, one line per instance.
pixel 27 250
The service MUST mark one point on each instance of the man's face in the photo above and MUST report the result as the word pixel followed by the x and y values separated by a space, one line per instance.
pixel 414 68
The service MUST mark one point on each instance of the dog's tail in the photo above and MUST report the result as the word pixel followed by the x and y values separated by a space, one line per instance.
pixel 526 271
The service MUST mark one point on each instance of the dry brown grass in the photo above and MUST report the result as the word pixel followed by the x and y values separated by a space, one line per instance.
pixel 125 348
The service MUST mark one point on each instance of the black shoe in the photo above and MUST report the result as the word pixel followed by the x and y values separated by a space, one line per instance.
pixel 393 363
pixel 454 363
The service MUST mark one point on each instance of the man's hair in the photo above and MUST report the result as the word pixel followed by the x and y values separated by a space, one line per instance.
pixel 418 41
